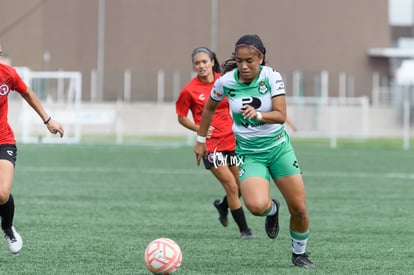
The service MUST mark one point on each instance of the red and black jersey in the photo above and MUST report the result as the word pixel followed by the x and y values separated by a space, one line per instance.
pixel 192 98
pixel 9 81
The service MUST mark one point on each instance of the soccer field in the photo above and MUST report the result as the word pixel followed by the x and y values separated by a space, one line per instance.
pixel 92 209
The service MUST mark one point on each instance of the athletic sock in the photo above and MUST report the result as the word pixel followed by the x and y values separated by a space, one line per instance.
pixel 299 241
pixel 271 211
pixel 224 202
pixel 7 213
pixel 240 219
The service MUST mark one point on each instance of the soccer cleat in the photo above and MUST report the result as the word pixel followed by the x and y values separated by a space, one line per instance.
pixel 272 222
pixel 223 212
pixel 14 240
pixel 302 260
pixel 247 234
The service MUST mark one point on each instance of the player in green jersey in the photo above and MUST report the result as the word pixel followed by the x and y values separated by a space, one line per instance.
pixel 257 100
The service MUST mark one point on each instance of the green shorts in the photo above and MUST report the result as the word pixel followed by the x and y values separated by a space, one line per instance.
pixel 276 163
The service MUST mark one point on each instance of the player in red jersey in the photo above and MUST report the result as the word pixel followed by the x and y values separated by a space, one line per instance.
pixel 11 81
pixel 221 160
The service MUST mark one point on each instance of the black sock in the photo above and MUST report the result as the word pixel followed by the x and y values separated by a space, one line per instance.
pixel 240 219
pixel 224 202
pixel 7 213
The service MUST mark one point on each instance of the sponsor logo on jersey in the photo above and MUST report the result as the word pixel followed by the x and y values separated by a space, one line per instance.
pixel 252 101
pixel 262 87
pixel 4 89
pixel 251 123
pixel 231 92
pixel 202 97
pixel 280 85
pixel 217 94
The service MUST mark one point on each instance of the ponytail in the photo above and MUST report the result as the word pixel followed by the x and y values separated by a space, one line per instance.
pixel 216 67
pixel 230 64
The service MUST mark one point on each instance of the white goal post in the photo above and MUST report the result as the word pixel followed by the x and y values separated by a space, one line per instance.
pixel 62 92
pixel 61 95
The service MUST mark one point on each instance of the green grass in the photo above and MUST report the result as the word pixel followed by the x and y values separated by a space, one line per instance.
pixel 92 209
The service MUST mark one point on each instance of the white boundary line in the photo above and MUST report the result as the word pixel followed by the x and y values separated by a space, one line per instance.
pixel 196 171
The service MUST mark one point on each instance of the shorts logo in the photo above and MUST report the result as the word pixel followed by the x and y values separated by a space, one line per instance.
pixel 296 164
pixel 241 172
pixel 212 157
pixel 4 89
pixel 219 159
pixel 10 153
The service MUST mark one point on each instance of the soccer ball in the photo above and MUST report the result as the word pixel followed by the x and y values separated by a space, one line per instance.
pixel 163 256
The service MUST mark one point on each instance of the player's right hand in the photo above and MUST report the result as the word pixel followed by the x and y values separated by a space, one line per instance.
pixel 200 151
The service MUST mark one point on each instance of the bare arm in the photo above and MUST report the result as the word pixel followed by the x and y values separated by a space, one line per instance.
pixel 292 125
pixel 200 148
pixel 52 125
pixel 206 117
pixel 187 123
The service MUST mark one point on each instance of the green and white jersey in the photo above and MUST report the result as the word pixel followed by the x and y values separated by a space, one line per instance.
pixel 252 135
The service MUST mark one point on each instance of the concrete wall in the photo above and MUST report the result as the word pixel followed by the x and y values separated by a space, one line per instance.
pixel 147 35
pixel 150 119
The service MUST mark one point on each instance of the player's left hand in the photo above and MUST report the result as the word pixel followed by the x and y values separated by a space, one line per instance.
pixel 55 127
pixel 248 111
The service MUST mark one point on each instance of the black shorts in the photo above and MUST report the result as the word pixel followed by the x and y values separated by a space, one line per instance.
pixel 8 152
pixel 216 159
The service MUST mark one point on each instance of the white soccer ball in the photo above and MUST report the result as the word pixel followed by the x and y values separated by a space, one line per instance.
pixel 163 256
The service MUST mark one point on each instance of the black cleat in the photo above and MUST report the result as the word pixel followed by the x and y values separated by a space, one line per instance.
pixel 302 260
pixel 272 222
pixel 223 212
pixel 247 234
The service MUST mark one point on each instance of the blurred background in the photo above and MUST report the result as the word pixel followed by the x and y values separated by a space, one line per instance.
pixel 116 67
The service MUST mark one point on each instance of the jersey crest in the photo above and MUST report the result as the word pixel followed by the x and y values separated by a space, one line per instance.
pixel 262 87
pixel 4 89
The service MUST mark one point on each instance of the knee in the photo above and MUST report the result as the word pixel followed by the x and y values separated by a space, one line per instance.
pixel 299 212
pixel 257 209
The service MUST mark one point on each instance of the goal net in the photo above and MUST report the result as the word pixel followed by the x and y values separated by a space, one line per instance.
pixel 60 93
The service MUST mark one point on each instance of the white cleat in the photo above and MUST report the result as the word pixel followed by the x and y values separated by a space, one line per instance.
pixel 14 240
